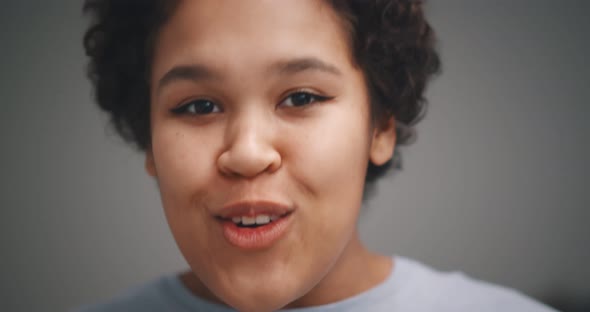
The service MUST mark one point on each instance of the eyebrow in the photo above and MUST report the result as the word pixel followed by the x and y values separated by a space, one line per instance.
pixel 187 72
pixel 298 65
pixel 196 72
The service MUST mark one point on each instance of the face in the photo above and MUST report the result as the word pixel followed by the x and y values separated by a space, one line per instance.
pixel 261 136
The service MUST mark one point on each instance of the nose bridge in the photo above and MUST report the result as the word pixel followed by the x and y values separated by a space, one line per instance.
pixel 248 129
pixel 249 148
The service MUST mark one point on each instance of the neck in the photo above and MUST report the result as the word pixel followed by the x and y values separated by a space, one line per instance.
pixel 356 271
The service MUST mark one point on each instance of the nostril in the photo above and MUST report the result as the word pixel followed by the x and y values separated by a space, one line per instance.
pixel 249 161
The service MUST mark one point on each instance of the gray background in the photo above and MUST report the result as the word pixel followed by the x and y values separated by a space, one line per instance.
pixel 496 185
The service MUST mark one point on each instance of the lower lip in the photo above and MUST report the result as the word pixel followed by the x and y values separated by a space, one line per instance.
pixel 256 238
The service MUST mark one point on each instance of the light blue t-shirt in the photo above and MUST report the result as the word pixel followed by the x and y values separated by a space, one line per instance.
pixel 411 286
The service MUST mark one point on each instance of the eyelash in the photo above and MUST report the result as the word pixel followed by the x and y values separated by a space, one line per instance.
pixel 315 98
pixel 186 108
pixel 310 99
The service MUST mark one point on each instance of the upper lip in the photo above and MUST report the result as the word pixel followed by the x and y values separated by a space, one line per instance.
pixel 253 208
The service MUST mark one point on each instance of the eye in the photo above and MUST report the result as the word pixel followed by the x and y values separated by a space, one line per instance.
pixel 197 107
pixel 302 98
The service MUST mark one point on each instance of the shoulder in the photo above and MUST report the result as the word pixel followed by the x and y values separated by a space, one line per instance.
pixel 454 291
pixel 148 297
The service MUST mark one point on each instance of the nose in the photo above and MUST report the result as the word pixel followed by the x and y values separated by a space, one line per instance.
pixel 249 149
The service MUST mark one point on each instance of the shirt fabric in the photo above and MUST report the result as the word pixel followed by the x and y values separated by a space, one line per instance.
pixel 412 286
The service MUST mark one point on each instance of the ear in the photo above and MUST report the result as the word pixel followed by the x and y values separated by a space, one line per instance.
pixel 150 165
pixel 383 143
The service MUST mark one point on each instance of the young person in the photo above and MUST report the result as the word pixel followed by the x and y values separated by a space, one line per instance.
pixel 263 122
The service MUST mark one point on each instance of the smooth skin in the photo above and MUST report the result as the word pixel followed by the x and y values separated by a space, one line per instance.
pixel 261 100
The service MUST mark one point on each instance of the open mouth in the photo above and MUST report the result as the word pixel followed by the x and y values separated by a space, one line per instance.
pixel 254 221
pixel 255 225
pixel 254 232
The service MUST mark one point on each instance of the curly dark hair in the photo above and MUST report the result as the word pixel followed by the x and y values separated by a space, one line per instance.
pixel 391 41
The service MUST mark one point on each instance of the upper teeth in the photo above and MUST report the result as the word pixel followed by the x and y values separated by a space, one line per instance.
pixel 259 219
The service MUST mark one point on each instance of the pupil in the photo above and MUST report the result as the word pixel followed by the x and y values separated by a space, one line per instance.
pixel 205 107
pixel 301 99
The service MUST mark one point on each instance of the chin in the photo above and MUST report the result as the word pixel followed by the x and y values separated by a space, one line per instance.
pixel 251 306
pixel 260 296
pixel 266 301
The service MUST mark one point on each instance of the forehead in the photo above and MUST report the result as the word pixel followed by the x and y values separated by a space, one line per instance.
pixel 230 34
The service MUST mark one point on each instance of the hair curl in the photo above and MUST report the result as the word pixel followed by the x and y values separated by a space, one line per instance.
pixel 391 41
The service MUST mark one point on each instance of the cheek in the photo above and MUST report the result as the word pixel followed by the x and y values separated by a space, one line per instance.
pixel 333 154
pixel 180 153
pixel 185 165
pixel 330 163
pixel 327 163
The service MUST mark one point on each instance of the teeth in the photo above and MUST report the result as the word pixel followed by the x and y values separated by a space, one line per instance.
pixel 262 219
pixel 259 219
pixel 248 220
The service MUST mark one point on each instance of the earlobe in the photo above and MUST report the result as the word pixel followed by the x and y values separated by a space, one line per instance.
pixel 150 166
pixel 383 143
